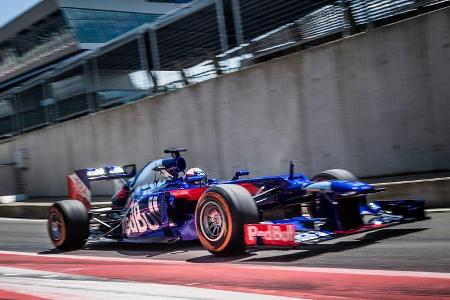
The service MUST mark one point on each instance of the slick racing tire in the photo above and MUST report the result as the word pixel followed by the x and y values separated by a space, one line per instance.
pixel 68 224
pixel 220 216
pixel 338 174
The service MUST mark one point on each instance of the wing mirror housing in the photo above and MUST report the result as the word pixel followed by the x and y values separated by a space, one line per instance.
pixel 240 173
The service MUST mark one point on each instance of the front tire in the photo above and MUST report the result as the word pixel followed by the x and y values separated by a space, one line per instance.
pixel 220 216
pixel 334 174
pixel 68 224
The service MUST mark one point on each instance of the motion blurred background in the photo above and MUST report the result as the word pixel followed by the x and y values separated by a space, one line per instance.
pixel 361 85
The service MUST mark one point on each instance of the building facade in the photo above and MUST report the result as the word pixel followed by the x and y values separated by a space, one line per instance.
pixel 57 29
pixel 66 58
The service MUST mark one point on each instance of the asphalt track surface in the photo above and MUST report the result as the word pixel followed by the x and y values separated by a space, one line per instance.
pixel 407 261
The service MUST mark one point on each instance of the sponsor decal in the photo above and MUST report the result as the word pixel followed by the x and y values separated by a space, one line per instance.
pixel 108 172
pixel 78 190
pixel 139 220
pixel 310 235
pixel 114 170
pixel 270 234
pixel 96 172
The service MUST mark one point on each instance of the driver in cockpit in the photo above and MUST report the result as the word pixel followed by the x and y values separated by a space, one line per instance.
pixel 193 176
pixel 196 176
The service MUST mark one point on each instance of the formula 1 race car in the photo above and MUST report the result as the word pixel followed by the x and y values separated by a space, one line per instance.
pixel 166 203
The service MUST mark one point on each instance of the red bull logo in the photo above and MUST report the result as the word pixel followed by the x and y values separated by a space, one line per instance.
pixel 270 234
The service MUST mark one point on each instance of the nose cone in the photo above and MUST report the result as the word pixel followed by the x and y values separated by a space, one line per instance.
pixel 347 186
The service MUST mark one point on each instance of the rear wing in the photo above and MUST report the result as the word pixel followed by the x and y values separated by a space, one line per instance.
pixel 79 182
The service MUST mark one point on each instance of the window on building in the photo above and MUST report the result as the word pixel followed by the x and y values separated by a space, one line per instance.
pixel 171 1
pixel 100 26
pixel 40 40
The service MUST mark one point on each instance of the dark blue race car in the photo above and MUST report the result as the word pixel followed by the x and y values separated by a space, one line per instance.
pixel 166 203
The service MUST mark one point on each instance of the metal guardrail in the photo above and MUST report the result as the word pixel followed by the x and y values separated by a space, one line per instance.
pixel 73 106
pixel 195 44
pixel 35 118
pixel 365 12
pixel 6 125
pixel 324 21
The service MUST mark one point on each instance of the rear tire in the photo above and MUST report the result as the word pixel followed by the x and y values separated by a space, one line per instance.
pixel 220 216
pixel 337 174
pixel 68 224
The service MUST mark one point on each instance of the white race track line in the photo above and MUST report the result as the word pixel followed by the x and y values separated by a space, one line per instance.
pixel 411 181
pixel 23 220
pixel 143 261
pixel 437 209
pixel 54 285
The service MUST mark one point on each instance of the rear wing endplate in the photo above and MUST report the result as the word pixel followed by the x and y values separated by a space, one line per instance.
pixel 79 182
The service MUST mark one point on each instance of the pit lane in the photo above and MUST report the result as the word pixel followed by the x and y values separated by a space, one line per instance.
pixel 419 246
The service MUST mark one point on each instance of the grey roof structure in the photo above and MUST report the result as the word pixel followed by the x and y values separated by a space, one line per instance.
pixel 55 29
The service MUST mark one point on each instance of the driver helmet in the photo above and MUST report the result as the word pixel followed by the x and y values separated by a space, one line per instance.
pixel 201 177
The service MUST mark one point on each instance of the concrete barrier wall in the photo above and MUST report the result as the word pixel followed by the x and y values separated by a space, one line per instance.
pixel 8 180
pixel 376 104
pixel 435 191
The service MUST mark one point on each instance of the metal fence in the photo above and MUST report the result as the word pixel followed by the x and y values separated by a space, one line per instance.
pixel 121 73
pixel 200 41
pixel 69 93
pixel 31 114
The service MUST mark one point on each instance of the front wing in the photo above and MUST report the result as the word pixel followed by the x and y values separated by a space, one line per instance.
pixel 306 230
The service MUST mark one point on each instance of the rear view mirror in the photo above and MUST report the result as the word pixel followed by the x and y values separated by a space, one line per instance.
pixel 240 173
